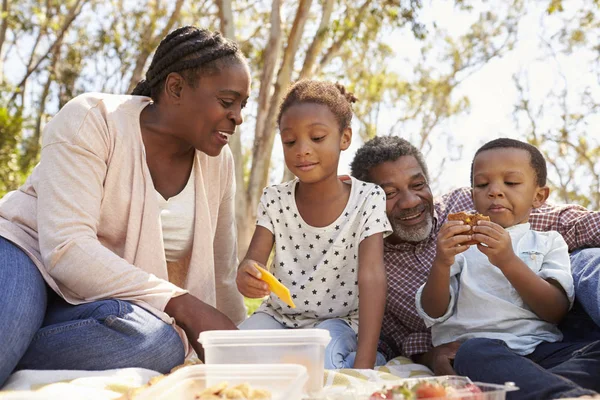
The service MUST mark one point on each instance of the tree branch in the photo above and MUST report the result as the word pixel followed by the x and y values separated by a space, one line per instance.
pixel 315 47
pixel 71 15
pixel 348 32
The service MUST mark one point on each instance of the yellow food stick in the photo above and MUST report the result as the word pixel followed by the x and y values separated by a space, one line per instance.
pixel 276 287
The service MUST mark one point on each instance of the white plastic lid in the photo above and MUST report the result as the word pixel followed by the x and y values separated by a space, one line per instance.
pixel 265 337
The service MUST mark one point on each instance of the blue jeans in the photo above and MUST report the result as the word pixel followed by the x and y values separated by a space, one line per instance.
pixel 339 353
pixel 552 371
pixel 585 265
pixel 22 305
pixel 100 335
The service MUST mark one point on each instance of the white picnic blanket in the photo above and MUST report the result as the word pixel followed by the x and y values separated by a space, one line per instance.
pixel 113 384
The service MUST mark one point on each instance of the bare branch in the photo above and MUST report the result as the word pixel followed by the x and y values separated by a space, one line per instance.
pixel 226 18
pixel 315 47
pixel 271 55
pixel 263 143
pixel 347 34
pixel 148 42
pixel 71 15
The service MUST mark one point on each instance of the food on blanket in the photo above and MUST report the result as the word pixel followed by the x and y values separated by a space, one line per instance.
pixel 276 287
pixel 241 391
pixel 468 219
pixel 428 390
pixel 474 390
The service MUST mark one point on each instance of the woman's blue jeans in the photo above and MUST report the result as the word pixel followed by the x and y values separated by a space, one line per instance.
pixel 39 330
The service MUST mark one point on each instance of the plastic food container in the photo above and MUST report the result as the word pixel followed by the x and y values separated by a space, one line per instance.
pixel 487 391
pixel 285 382
pixel 278 346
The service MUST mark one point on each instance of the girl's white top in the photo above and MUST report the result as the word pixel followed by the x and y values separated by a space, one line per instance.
pixel 319 265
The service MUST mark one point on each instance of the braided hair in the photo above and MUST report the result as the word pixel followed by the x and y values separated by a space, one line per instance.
pixel 334 96
pixel 191 52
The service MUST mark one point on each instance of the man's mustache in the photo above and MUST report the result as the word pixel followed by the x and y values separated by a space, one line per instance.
pixel 412 211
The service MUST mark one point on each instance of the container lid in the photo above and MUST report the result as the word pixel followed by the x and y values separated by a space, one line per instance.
pixel 265 337
pixel 283 381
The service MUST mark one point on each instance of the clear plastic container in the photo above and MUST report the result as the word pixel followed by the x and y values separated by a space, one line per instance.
pixel 285 382
pixel 487 391
pixel 279 346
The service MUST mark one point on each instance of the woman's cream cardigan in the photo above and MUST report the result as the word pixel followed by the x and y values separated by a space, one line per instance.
pixel 88 215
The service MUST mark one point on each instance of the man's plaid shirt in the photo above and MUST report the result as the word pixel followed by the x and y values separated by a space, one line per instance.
pixel 403 331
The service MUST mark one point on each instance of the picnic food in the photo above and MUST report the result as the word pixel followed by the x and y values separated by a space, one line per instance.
pixel 427 390
pixel 276 287
pixel 468 219
pixel 241 391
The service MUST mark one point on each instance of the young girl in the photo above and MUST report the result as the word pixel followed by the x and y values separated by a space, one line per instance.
pixel 328 234
pixel 504 296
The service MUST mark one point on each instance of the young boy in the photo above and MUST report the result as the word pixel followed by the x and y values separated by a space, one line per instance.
pixel 504 296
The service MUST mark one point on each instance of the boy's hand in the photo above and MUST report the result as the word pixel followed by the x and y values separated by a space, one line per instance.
pixel 449 242
pixel 498 246
pixel 248 280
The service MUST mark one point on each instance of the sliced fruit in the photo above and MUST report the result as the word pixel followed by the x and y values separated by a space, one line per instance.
pixel 276 287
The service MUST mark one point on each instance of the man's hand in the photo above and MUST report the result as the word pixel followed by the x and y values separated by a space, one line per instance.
pixel 248 280
pixel 498 246
pixel 449 243
pixel 194 317
pixel 439 359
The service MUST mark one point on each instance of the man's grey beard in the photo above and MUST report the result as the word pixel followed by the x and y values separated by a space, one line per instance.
pixel 415 234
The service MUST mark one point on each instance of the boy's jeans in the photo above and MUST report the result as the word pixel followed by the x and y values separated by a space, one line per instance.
pixel 552 371
pixel 558 369
pixel 94 336
pixel 339 353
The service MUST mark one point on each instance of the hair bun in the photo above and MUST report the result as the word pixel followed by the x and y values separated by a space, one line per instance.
pixel 141 89
pixel 349 96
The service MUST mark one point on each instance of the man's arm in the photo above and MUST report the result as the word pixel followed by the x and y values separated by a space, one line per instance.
pixel 579 226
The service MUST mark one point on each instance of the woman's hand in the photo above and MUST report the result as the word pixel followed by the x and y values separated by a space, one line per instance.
pixel 248 280
pixel 195 316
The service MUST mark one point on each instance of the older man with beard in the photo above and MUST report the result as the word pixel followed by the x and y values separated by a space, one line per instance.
pixel 399 168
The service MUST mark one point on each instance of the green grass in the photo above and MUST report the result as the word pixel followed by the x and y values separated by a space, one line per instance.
pixel 252 304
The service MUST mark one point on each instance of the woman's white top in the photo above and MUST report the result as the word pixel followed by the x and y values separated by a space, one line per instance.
pixel 177 220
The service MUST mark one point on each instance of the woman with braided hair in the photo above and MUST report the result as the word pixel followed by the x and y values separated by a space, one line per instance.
pixel 120 248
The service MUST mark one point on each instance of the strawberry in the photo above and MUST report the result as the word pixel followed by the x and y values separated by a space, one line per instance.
pixel 429 391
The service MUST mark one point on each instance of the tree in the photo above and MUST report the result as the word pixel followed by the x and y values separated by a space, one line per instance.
pixel 563 122
pixel 317 44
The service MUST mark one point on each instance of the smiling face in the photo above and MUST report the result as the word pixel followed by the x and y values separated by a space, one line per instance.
pixel 205 116
pixel 312 142
pixel 409 203
pixel 504 186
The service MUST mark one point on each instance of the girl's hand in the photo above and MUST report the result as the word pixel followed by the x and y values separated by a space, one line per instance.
pixel 449 242
pixel 248 280
pixel 363 364
pixel 498 246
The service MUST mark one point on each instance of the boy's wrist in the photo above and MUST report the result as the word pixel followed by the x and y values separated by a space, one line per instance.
pixel 441 266
pixel 510 263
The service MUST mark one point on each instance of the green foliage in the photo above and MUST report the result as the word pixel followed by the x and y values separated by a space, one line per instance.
pixel 252 304
pixel 101 47
pixel 570 143
pixel 11 126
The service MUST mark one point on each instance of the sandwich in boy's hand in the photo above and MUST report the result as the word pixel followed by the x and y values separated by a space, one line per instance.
pixel 468 219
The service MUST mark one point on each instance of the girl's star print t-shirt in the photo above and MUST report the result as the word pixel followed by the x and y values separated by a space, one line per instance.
pixel 319 265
